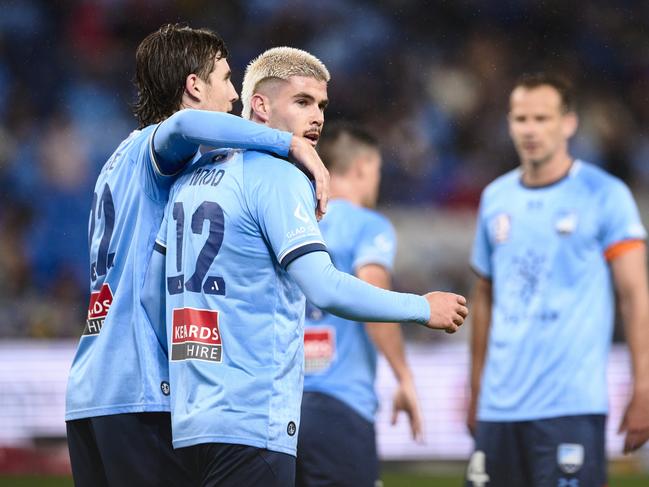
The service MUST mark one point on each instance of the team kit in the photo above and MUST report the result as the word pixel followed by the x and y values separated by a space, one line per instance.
pixel 240 290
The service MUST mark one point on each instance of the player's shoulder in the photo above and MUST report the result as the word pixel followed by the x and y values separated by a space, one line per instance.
pixel 502 184
pixel 139 138
pixel 372 217
pixel 360 220
pixel 263 167
pixel 595 179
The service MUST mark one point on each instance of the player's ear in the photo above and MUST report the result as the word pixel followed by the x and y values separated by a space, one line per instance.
pixel 570 124
pixel 260 106
pixel 357 168
pixel 193 90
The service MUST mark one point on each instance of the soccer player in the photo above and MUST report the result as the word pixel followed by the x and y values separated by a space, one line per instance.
pixel 336 442
pixel 243 249
pixel 555 238
pixel 117 398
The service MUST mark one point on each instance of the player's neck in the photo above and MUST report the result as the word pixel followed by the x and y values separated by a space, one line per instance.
pixel 548 172
pixel 344 190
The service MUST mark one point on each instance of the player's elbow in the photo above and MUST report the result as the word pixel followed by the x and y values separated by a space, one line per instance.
pixel 178 124
pixel 320 298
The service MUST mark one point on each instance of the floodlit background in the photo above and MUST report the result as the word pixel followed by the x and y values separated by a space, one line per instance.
pixel 430 79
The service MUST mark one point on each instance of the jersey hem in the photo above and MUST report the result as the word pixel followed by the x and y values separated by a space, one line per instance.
pixel 527 416
pixel 110 410
pixel 198 440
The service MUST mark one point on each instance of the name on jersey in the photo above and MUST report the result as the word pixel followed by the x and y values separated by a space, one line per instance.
pixel 206 177
pixel 319 348
pixel 100 302
pixel 196 335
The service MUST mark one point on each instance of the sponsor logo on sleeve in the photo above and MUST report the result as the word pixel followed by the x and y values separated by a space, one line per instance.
pixel 100 303
pixel 300 214
pixel 570 457
pixel 383 243
pixel 291 429
pixel 319 348
pixel 196 335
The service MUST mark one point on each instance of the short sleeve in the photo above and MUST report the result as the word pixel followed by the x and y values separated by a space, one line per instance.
pixel 620 222
pixel 377 244
pixel 156 184
pixel 482 249
pixel 285 207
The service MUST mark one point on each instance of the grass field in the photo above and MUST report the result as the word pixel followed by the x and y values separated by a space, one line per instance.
pixel 390 479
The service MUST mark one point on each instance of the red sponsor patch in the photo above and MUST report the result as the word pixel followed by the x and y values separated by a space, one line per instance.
pixel 319 348
pixel 195 335
pixel 100 303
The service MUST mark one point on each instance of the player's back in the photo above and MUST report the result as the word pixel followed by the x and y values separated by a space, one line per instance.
pixel 340 359
pixel 119 366
pixel 234 315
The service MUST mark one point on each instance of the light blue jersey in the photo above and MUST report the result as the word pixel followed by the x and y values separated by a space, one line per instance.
pixel 121 365
pixel 234 315
pixel 544 250
pixel 340 358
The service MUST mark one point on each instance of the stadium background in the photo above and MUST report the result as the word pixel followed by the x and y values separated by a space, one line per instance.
pixel 430 79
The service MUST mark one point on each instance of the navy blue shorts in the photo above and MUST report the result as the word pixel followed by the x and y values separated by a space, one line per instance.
pixel 124 450
pixel 568 451
pixel 336 445
pixel 230 465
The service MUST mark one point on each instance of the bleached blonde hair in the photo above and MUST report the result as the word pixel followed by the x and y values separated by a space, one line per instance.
pixel 279 63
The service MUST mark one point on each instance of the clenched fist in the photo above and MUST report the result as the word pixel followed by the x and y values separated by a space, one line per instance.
pixel 447 311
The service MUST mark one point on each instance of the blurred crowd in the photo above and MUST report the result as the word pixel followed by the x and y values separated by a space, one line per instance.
pixel 429 78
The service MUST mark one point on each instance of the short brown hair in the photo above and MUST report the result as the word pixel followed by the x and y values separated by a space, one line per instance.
pixel 556 81
pixel 339 142
pixel 163 61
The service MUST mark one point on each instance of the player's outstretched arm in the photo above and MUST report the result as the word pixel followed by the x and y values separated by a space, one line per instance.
pixel 177 139
pixel 630 278
pixel 350 298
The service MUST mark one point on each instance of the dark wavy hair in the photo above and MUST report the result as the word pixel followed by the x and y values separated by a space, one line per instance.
pixel 163 61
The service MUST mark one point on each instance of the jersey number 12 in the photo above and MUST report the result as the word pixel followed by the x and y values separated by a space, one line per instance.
pixel 207 211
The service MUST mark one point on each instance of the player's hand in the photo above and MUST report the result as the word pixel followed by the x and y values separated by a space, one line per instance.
pixel 303 153
pixel 447 311
pixel 405 399
pixel 635 422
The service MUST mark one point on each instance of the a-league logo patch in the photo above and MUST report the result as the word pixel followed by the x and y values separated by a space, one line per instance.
pixel 570 457
pixel 100 303
pixel 502 226
pixel 319 348
pixel 196 335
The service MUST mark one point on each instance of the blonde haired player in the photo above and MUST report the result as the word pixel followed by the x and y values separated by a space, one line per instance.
pixel 243 248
